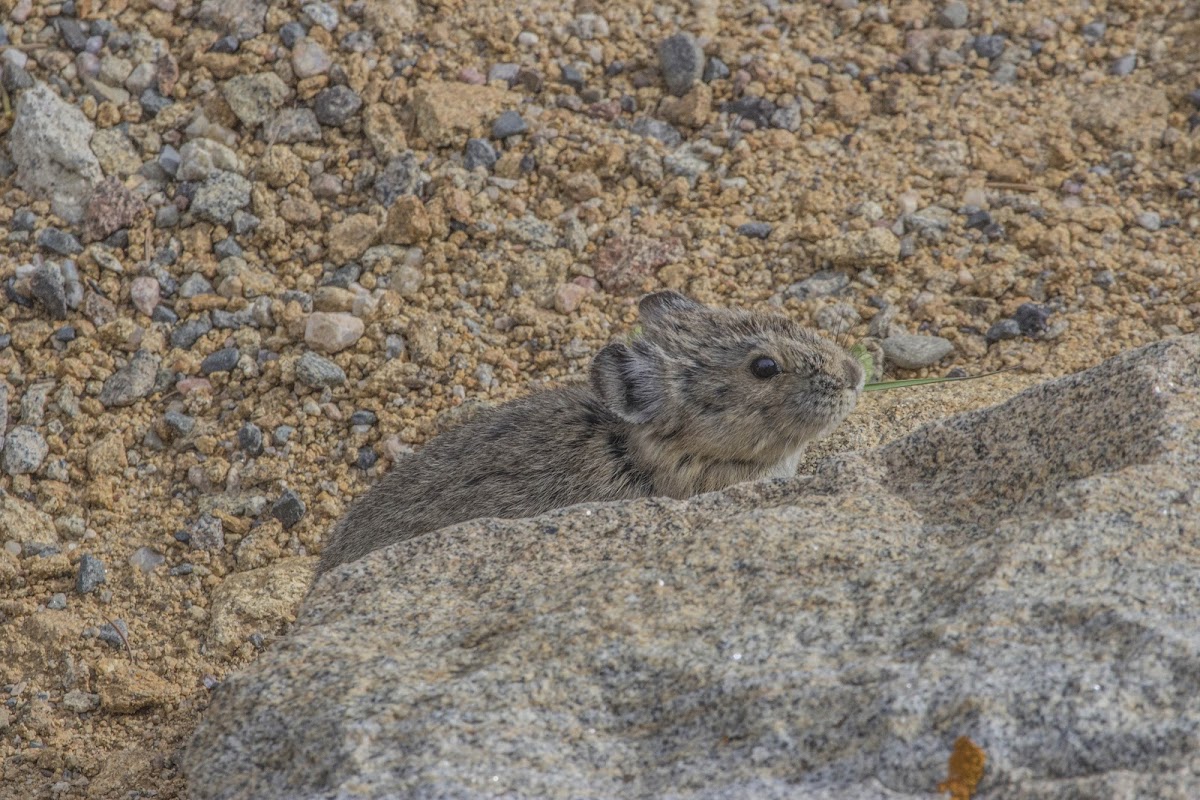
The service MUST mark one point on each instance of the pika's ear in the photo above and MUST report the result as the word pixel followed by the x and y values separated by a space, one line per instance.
pixel 628 382
pixel 661 304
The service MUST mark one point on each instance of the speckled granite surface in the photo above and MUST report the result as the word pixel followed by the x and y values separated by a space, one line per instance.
pixel 1025 575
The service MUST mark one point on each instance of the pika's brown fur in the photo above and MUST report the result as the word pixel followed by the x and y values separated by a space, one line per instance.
pixel 676 411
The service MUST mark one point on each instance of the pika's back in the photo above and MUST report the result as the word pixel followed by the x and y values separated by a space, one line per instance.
pixel 699 399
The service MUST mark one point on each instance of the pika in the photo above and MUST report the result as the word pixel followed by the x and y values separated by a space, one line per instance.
pixel 701 399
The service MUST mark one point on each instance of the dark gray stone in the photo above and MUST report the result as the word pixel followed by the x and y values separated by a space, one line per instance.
pixel 188 333
pixel 114 633
pixel 363 418
pixel 221 361
pixel 652 128
pixel 288 509
pixel 755 230
pixel 291 33
pixel 715 70
pixel 1032 318
pixel 822 284
pixel 250 439
pixel 132 382
pixel 990 47
pixel 207 533
pixel 47 286
pixel 317 371
pixel 90 575
pixel 681 60
pixel 336 104
pixel 1003 329
pixel 179 424
pixel 59 242
pixel 508 124
pixel 479 153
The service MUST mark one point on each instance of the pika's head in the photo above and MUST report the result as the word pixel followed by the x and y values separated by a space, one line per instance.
pixel 726 383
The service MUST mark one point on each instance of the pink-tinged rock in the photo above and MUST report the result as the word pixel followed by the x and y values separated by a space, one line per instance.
pixel 144 294
pixel 586 282
pixel 472 76
pixel 332 332
pixel 625 261
pixel 110 208
pixel 309 59
pixel 186 386
pixel 568 297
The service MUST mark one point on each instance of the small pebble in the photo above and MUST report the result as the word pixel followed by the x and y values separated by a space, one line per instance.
pixel 90 575
pixel 1093 31
pixel 1032 318
pixel 755 230
pixel 1003 329
pixel 1149 220
pixel 178 423
pixel 226 44
pixel 322 14
pixel 291 33
pixel 282 434
pixel 363 418
pixel 313 370
pixel 59 242
pixel 47 286
pixel 681 60
pixel 1124 65
pixel 715 70
pixel 954 15
pixel 366 458
pixel 207 533
pixel 989 47
pixel 57 602
pixel 572 77
pixel 978 220
pixel 114 636
pixel 335 105
pixel 479 153
pixel 822 284
pixel 250 439
pixel 188 333
pixel 912 351
pixel 65 334
pixel 147 559
pixel 144 294
pixel 508 124
pixel 227 248
pixel 23 220
pixel 221 361
pixel 288 509
pixel 24 450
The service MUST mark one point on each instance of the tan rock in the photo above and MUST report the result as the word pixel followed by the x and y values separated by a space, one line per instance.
pixel 874 247
pixel 279 166
pixel 332 332
pixel 407 222
pixel 257 601
pixel 384 132
pixel 691 110
pixel 850 106
pixel 125 688
pixel 350 238
pixel 447 113
pixel 23 522
pixel 107 456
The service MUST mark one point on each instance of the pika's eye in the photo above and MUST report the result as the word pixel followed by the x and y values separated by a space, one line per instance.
pixel 764 368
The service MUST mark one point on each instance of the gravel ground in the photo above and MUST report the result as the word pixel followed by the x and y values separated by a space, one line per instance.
pixel 255 252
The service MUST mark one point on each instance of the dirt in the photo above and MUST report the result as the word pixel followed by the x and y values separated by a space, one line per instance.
pixel 878 131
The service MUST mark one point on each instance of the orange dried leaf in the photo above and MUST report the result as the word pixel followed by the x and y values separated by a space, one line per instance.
pixel 965 770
